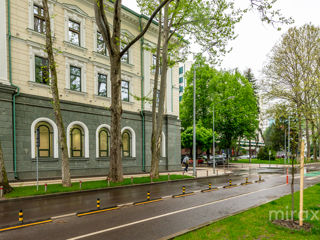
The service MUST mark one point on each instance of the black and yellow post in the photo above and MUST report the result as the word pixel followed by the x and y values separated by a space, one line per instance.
pixel 260 179
pixel 98 203
pixel 148 196
pixel 183 189
pixel 246 182
pixel 21 217
pixel 209 189
pixel 183 194
pixel 230 184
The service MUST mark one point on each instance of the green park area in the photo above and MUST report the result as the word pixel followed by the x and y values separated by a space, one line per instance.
pixel 57 188
pixel 257 224
pixel 258 161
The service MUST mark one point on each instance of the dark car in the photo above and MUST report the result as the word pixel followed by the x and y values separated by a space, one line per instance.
pixel 219 160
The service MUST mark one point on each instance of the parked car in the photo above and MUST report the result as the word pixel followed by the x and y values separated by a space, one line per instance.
pixel 199 161
pixel 243 157
pixel 219 160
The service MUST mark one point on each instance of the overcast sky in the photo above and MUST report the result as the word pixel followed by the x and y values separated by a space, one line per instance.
pixel 255 40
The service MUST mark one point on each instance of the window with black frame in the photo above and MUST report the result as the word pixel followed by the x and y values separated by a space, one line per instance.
pixel 38 19
pixel 77 140
pixel 125 91
pixel 74 32
pixel 45 134
pixel 104 142
pixel 102 85
pixel 41 70
pixel 75 78
pixel 126 144
pixel 101 46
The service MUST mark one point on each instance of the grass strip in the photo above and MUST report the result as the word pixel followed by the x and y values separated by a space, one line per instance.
pixel 57 188
pixel 257 223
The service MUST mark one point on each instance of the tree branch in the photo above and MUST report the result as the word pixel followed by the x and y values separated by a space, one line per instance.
pixel 146 27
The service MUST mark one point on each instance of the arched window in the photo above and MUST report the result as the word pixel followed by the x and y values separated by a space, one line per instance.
pixel 126 144
pixel 77 140
pixel 103 143
pixel 46 141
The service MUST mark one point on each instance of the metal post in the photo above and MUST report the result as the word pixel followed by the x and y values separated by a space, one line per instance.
pixel 80 184
pixel 289 141
pixel 213 144
pixel 38 146
pixel 45 187
pixel 1 191
pixel 285 146
pixel 194 121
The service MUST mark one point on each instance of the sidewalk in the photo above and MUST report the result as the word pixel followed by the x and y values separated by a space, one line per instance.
pixel 201 172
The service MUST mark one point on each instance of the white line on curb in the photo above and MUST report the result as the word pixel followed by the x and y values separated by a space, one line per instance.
pixel 62 216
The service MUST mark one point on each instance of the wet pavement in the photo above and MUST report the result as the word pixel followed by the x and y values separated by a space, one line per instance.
pixel 162 219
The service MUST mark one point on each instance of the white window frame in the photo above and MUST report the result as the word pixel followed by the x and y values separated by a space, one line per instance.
pixel 97 138
pixel 76 18
pixel 133 140
pixel 86 137
pixel 163 145
pixel 31 15
pixel 100 70
pixel 34 51
pixel 55 136
pixel 79 64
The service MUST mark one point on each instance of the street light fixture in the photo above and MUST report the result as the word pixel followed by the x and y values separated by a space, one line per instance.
pixel 213 142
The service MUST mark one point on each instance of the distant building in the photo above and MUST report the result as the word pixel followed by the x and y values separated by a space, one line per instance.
pixel 182 80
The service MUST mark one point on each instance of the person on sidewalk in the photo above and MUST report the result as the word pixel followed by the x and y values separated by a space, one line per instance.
pixel 186 163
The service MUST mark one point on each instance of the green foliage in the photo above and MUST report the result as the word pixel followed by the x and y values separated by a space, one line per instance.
pixel 231 95
pixel 203 137
pixel 263 154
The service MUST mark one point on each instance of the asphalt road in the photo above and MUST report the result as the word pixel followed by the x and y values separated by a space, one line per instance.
pixel 161 219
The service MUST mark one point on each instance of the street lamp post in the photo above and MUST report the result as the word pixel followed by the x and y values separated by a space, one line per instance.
pixel 194 122
pixel 289 141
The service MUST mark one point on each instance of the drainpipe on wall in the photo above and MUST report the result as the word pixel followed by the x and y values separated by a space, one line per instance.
pixel 16 93
pixel 142 96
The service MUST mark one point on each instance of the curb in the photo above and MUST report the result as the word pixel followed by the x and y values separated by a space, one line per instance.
pixel 27 224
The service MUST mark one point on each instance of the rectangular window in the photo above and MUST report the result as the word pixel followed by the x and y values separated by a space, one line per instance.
pixel 75 78
pixel 74 32
pixel 102 85
pixel 125 91
pixel 41 70
pixel 180 79
pixel 180 89
pixel 180 98
pixel 38 18
pixel 180 70
pixel 101 46
pixel 125 57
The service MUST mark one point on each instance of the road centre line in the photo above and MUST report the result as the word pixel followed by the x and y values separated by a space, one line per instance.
pixel 168 214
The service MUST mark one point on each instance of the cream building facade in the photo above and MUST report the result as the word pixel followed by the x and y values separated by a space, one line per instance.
pixel 85 92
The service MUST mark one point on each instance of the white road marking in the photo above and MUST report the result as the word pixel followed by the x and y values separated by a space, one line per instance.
pixel 62 216
pixel 125 204
pixel 168 214
pixel 311 178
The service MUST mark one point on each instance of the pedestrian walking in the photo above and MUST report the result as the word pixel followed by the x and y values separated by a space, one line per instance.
pixel 185 161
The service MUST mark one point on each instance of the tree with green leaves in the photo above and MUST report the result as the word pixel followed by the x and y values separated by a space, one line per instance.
pixel 65 169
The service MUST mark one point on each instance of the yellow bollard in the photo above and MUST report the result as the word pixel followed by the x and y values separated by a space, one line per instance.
pixel 148 196
pixel 230 182
pixel 98 203
pixel 246 180
pixel 21 216
pixel 183 190
pixel 209 185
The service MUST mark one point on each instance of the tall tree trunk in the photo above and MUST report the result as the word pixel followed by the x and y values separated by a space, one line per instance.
pixel 155 151
pixel 65 169
pixel 163 86
pixel 292 189
pixel 3 174
pixel 308 139
pixel 115 168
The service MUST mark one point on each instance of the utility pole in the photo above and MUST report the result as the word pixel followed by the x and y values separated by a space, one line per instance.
pixel 285 145
pixel 194 122
pixel 213 144
pixel 289 140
